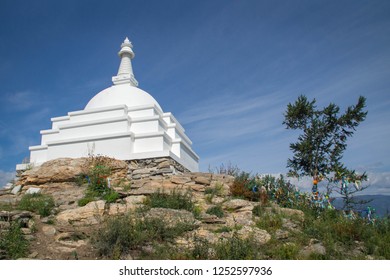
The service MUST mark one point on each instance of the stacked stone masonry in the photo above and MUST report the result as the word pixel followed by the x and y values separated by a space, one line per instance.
pixel 154 168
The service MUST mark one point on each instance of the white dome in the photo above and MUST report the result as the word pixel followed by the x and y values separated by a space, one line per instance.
pixel 123 94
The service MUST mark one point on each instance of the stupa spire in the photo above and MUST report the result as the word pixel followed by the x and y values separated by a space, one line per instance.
pixel 125 73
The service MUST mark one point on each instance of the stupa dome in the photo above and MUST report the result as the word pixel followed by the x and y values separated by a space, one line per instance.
pixel 122 94
pixel 122 122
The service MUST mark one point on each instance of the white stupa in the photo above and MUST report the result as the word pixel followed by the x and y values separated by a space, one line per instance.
pixel 122 121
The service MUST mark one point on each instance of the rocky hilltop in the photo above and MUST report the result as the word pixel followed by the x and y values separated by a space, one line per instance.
pixel 69 231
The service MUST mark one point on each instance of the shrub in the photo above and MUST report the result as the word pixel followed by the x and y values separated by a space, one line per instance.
pixel 202 249
pixel 110 196
pixel 281 251
pixel 13 243
pixel 242 186
pixel 228 169
pixel 122 234
pixel 216 210
pixel 85 200
pixel 124 184
pixel 6 206
pixel 223 229
pixel 210 192
pixel 97 178
pixel 173 200
pixel 38 203
pixel 235 248
pixel 270 222
pixel 81 179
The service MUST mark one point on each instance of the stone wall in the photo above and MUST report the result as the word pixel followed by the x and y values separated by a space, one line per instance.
pixel 154 168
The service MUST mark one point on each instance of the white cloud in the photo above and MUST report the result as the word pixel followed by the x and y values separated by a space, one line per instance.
pixel 21 100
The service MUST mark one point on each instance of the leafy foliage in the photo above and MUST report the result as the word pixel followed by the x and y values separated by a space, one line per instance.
pixel 122 234
pixel 216 210
pixel 320 147
pixel 236 248
pixel 38 203
pixel 243 186
pixel 97 177
pixel 173 200
pixel 13 243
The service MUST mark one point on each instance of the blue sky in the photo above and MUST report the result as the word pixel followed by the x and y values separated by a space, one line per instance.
pixel 225 69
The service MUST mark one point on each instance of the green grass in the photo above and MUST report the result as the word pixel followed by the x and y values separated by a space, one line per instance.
pixel 98 188
pixel 211 192
pixel 124 185
pixel 122 234
pixel 13 243
pixel 236 248
pixel 6 206
pixel 85 200
pixel 268 220
pixel 216 210
pixel 278 250
pixel 173 200
pixel 38 203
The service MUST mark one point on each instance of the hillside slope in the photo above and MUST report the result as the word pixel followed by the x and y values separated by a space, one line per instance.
pixel 182 216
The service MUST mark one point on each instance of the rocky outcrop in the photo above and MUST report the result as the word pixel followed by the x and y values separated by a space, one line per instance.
pixel 90 214
pixel 173 217
pixel 68 231
pixel 154 168
pixel 67 170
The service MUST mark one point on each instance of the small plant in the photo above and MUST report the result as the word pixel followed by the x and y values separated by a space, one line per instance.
pixel 6 206
pixel 173 200
pixel 281 251
pixel 124 185
pixel 216 210
pixel 85 200
pixel 202 249
pixel 224 229
pixel 235 248
pixel 242 186
pixel 210 192
pixel 122 234
pixel 38 203
pixel 228 169
pixel 13 243
pixel 81 179
pixel 110 196
pixel 98 182
pixel 269 221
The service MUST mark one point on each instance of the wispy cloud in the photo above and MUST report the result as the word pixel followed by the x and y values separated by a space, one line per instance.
pixel 6 177
pixel 19 101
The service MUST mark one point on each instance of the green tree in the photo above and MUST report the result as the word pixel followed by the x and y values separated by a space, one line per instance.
pixel 320 146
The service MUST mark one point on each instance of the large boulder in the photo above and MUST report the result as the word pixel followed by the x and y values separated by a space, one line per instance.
pixel 173 217
pixel 131 203
pixel 67 170
pixel 90 214
pixel 238 205
pixel 260 236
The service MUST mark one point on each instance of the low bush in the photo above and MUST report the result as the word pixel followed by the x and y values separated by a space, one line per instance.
pixel 6 206
pixel 172 200
pixel 243 185
pixel 122 234
pixel 277 250
pixel 216 210
pixel 13 245
pixel 97 178
pixel 38 203
pixel 235 248
pixel 211 192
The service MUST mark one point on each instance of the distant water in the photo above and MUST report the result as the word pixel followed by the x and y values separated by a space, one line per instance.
pixel 381 203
